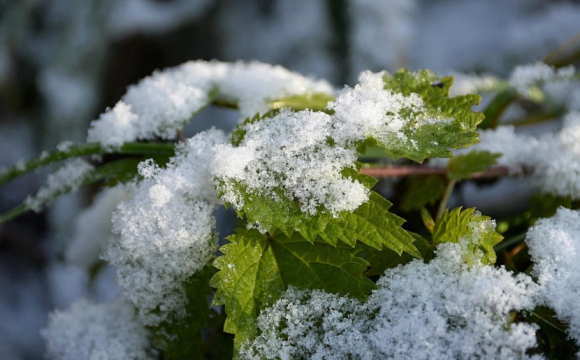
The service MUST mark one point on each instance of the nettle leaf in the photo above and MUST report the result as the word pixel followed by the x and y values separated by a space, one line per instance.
pixel 447 123
pixel 422 191
pixel 313 101
pixel 256 268
pixel 371 223
pixel 471 226
pixel 462 166
pixel 186 340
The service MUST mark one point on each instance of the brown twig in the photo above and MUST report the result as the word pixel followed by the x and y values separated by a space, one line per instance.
pixel 412 170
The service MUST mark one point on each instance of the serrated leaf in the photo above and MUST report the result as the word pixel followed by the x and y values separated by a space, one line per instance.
pixel 462 166
pixel 256 268
pixel 371 223
pixel 185 341
pixel 471 226
pixel 447 123
pixel 422 191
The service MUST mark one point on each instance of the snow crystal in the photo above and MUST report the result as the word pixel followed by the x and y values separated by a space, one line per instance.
pixel 441 310
pixel 163 235
pixel 290 151
pixel 159 105
pixel 555 249
pixel 69 177
pixel 96 331
pixel 92 228
pixel 369 110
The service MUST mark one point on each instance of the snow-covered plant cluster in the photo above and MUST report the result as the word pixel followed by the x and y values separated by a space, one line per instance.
pixel 322 264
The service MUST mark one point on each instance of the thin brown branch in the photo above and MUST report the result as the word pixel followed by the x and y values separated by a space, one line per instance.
pixel 413 170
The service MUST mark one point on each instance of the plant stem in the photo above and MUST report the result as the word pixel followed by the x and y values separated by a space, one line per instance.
pixel 509 242
pixel 445 198
pixel 84 150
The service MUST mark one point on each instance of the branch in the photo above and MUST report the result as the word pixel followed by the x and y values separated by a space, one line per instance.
pixel 412 170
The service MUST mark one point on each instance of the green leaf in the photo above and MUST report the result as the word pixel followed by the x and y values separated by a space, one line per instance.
pixel 462 166
pixel 186 341
pixel 313 101
pixel 447 123
pixel 371 223
pixel 388 259
pixel 470 225
pixel 256 268
pixel 422 191
pixel 497 107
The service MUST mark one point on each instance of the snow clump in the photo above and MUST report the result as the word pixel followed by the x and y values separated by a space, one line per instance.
pixel 164 234
pixel 159 105
pixel 555 248
pixel 445 309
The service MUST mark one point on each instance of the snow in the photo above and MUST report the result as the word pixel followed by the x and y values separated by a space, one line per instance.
pixel 290 151
pixel 441 310
pixel 161 104
pixel 554 244
pixel 164 233
pixel 92 228
pixel 68 177
pixel 551 158
pixel 96 331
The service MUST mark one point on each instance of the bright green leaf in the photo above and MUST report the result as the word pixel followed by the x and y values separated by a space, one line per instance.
pixel 471 226
pixel 462 166
pixel 313 101
pixel 447 123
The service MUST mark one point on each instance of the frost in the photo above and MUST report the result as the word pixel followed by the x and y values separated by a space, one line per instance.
pixel 441 310
pixel 290 151
pixel 159 105
pixel 164 234
pixel 96 331
pixel 369 110
pixel 67 178
pixel 555 248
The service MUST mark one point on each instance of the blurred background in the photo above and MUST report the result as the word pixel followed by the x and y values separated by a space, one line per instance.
pixel 62 62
